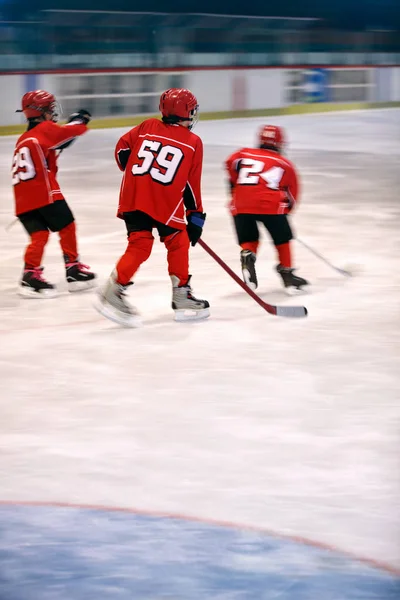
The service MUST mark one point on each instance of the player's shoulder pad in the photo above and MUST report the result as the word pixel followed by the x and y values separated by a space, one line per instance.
pixel 247 150
pixel 233 156
pixel 146 126
pixel 48 125
pixel 151 120
pixel 195 139
pixel 276 155
pixel 287 160
pixel 23 136
pixel 47 130
pixel 147 123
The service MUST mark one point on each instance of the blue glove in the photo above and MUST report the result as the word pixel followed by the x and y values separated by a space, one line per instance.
pixel 194 227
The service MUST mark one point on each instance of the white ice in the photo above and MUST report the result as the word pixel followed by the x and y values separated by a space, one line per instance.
pixel 291 425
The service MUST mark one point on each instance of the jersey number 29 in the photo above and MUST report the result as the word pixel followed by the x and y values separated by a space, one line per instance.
pixel 22 167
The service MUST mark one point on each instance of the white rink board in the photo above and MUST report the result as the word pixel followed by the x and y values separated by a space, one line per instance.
pixel 288 425
pixel 222 89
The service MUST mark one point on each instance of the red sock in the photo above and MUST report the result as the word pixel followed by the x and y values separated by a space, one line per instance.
pixel 252 246
pixel 137 252
pixel 177 246
pixel 284 255
pixel 35 249
pixel 68 243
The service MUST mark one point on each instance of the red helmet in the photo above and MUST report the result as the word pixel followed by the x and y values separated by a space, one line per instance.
pixel 272 136
pixel 38 102
pixel 177 104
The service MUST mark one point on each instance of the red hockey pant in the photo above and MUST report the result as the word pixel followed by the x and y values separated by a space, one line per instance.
pixel 139 248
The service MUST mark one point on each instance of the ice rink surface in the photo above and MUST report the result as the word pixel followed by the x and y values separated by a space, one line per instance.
pixel 287 425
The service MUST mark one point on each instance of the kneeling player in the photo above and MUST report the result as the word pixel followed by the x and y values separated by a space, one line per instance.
pixel 264 189
pixel 39 203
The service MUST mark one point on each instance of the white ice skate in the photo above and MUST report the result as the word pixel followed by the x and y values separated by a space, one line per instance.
pixel 111 303
pixel 185 305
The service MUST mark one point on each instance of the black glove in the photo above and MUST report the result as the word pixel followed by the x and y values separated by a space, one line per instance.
pixel 65 145
pixel 123 157
pixel 290 201
pixel 194 227
pixel 80 115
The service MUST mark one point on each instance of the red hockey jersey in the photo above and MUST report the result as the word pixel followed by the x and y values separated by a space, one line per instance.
pixel 34 167
pixel 259 179
pixel 162 172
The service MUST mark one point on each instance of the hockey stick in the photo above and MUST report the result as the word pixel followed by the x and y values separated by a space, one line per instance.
pixel 280 311
pixel 318 255
pixel 11 224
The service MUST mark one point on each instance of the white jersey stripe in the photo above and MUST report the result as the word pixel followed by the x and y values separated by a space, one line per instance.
pixel 172 217
pixel 64 142
pixel 261 157
pixel 150 135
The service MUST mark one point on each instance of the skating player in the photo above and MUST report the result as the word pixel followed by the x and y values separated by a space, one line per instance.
pixel 39 202
pixel 160 189
pixel 264 187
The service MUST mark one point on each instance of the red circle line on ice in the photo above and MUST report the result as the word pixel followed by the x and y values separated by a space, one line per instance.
pixel 371 562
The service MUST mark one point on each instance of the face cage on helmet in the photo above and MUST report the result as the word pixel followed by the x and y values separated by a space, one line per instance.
pixel 56 111
pixel 194 116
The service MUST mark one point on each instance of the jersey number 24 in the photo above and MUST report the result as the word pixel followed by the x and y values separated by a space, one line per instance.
pixel 251 171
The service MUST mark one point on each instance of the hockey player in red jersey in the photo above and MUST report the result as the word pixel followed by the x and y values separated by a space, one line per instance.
pixel 39 202
pixel 162 162
pixel 265 188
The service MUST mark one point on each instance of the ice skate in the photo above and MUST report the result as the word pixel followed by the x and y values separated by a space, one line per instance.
pixel 185 305
pixel 292 283
pixel 247 260
pixel 78 277
pixel 111 302
pixel 33 285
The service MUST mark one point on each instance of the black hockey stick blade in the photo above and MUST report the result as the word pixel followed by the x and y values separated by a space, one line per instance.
pixel 343 272
pixel 280 311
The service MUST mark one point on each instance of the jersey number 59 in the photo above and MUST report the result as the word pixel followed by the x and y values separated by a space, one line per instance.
pixel 160 162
